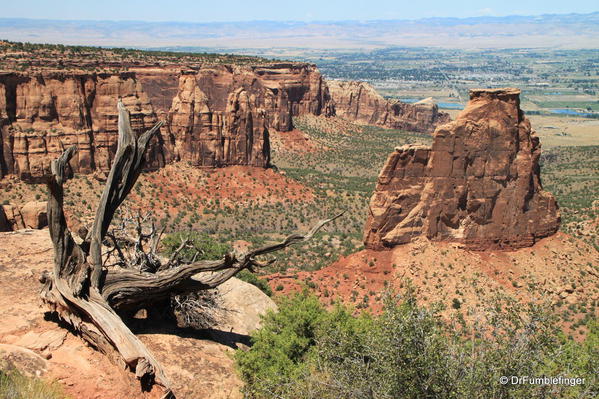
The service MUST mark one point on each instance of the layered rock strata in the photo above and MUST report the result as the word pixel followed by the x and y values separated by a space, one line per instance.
pixel 42 114
pixel 360 103
pixel 479 184
pixel 216 115
pixel 32 215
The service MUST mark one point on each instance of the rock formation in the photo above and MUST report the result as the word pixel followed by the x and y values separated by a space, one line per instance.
pixel 32 215
pixel 42 114
pixel 217 115
pixel 217 119
pixel 293 90
pixel 35 214
pixel 13 218
pixel 479 184
pixel 4 224
pixel 360 103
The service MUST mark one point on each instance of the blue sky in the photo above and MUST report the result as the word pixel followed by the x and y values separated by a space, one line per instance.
pixel 281 10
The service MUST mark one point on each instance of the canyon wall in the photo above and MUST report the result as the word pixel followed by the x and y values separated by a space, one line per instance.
pixel 221 115
pixel 42 114
pixel 359 102
pixel 216 115
pixel 479 184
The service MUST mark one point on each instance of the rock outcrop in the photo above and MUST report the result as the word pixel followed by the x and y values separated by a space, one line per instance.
pixel 360 103
pixel 42 347
pixel 293 90
pixel 4 224
pixel 479 184
pixel 32 215
pixel 42 114
pixel 13 217
pixel 217 115
pixel 35 214
pixel 216 119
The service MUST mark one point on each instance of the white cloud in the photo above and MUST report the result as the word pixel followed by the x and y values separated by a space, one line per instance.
pixel 485 11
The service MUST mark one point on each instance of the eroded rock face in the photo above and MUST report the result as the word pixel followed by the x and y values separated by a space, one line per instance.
pixel 293 90
pixel 217 115
pixel 360 103
pixel 13 217
pixel 32 215
pixel 4 225
pixel 217 119
pixel 42 114
pixel 479 183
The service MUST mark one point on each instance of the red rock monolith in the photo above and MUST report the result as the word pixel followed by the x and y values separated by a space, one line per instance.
pixel 479 184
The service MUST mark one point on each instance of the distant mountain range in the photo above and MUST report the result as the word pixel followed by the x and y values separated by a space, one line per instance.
pixel 554 31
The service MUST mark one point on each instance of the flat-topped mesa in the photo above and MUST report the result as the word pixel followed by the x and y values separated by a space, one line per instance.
pixel 479 184
pixel 360 103
pixel 216 115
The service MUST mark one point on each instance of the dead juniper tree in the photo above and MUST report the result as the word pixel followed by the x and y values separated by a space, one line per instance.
pixel 87 294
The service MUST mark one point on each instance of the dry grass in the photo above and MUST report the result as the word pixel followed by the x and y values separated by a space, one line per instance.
pixel 16 385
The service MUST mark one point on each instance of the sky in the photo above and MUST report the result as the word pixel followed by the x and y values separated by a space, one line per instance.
pixel 281 10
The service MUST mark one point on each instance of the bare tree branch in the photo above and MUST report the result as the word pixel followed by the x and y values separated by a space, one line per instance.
pixel 126 167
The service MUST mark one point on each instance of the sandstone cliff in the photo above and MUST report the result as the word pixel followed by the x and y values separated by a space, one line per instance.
pixel 215 121
pixel 479 183
pixel 295 89
pixel 360 103
pixel 216 115
pixel 42 114
pixel 32 215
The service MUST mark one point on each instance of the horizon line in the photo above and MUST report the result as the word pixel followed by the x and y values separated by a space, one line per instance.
pixel 295 21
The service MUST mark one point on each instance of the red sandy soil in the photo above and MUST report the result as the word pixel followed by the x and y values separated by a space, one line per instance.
pixel 232 185
pixel 198 368
pixel 294 141
pixel 174 188
pixel 80 370
pixel 559 268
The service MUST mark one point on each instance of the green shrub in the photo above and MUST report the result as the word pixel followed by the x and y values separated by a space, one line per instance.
pixel 305 351
pixel 282 346
pixel 209 248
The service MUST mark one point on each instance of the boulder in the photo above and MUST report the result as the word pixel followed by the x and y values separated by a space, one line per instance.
pixel 24 360
pixel 35 214
pixel 246 304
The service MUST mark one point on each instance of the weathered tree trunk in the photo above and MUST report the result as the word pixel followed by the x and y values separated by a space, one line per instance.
pixel 86 294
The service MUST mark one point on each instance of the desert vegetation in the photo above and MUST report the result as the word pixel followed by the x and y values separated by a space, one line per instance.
pixel 408 351
pixel 87 291
pixel 14 384
pixel 452 337
pixel 24 56
pixel 571 174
